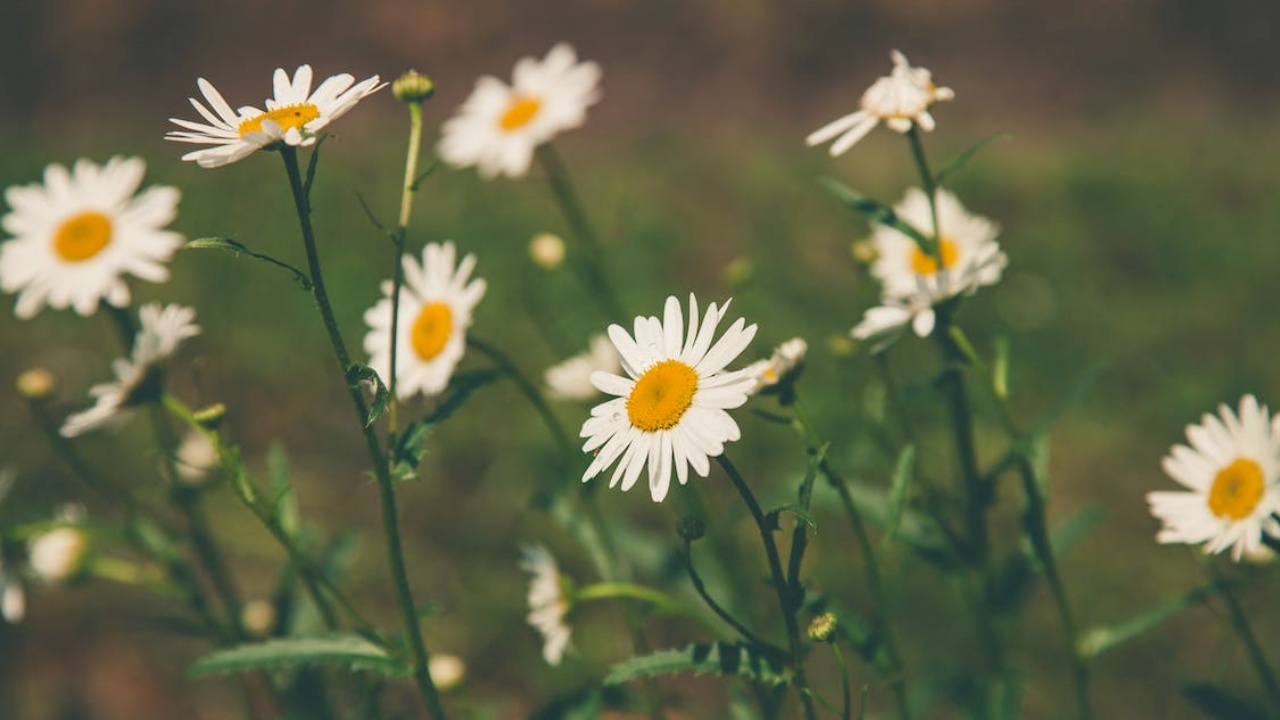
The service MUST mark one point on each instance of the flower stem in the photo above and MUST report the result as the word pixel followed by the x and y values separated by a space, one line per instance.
pixel 386 488
pixel 930 190
pixel 1241 625
pixel 402 225
pixel 846 692
pixel 788 600
pixel 717 608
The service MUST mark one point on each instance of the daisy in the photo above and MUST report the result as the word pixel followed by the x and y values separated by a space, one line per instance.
pixel 1230 469
pixel 670 410
pixel 884 324
pixel 162 331
pixel 785 360
pixel 294 115
pixel 435 311
pixel 79 233
pixel 966 246
pixel 548 602
pixel 900 100
pixel 60 554
pixel 571 379
pixel 499 126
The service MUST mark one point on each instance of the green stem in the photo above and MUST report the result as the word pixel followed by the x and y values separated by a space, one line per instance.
pixel 846 691
pixel 701 588
pixel 1241 625
pixel 930 190
pixel 386 487
pixel 788 601
pixel 406 210
pixel 591 263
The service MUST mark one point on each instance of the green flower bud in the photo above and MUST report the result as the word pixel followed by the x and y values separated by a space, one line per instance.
pixel 211 417
pixel 690 528
pixel 413 87
pixel 823 627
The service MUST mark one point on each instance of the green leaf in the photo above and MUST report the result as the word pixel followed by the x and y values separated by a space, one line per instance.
pixel 1218 703
pixel 284 502
pixel 411 444
pixel 801 514
pixel 1101 639
pixel 357 373
pixel 373 218
pixel 959 161
pixel 352 650
pixel 1079 389
pixel 719 658
pixel 235 248
pixel 1000 369
pixel 898 494
pixel 876 212
pixel 1075 528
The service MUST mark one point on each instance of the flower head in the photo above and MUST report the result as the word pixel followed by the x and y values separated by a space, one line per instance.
pixel 499 126
pixel 76 235
pixel 60 554
pixel 1230 469
pixel 785 360
pixel 900 100
pixel 548 602
pixel 294 115
pixel 669 412
pixel 435 311
pixel 571 379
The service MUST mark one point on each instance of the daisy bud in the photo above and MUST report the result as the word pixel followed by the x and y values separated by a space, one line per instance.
pixel 690 528
pixel 60 554
pixel 864 251
pixel 258 617
pixel 211 417
pixel 447 671
pixel 37 384
pixel 739 271
pixel 413 87
pixel 547 251
pixel 822 628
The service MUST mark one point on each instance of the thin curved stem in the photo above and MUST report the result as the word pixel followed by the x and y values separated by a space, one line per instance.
pixel 701 588
pixel 1241 625
pixel 406 211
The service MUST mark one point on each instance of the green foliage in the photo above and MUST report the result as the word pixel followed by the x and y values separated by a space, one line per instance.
pixel 1101 639
pixel 720 658
pixel 353 651
pixel 238 249
pixel 358 373
pixel 958 162
pixel 875 211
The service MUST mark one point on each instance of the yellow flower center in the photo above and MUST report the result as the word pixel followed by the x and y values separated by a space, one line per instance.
pixel 662 395
pixel 926 265
pixel 1236 489
pixel 519 112
pixel 82 237
pixel 287 117
pixel 431 329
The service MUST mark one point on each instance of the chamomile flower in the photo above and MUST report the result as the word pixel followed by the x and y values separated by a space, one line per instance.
pixel 571 379
pixel 900 100
pixel 162 331
pixel 79 233
pixel 548 602
pixel 499 126
pixel 294 115
pixel 883 325
pixel 669 412
pixel 1230 469
pixel 785 360
pixel 59 554
pixel 435 311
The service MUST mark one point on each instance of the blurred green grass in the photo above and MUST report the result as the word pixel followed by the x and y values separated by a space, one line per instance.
pixel 1150 248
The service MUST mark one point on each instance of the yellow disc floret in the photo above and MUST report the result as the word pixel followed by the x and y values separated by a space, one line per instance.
pixel 518 114
pixel 431 330
pixel 662 395
pixel 1236 489
pixel 82 236
pixel 924 264
pixel 288 117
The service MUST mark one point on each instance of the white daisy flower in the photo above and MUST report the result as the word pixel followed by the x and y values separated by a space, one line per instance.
pixel 294 115
pixel 435 311
pixel 1231 470
pixel 786 358
pixel 548 602
pixel 884 324
pixel 670 411
pixel 160 333
pixel 900 100
pixel 79 233
pixel 571 379
pixel 970 255
pixel 195 458
pixel 60 554
pixel 499 126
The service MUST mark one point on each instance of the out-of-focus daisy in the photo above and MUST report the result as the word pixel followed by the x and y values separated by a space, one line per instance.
pixel 294 115
pixel 76 235
pixel 571 379
pixel 786 359
pixel 447 671
pixel 966 245
pixel 1230 469
pixel 161 331
pixel 195 458
pixel 900 100
pixel 670 410
pixel 548 602
pixel 547 250
pixel 60 554
pixel 883 324
pixel 435 311
pixel 499 126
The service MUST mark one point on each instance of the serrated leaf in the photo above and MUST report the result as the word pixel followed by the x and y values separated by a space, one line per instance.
pixel 718 658
pixel 357 373
pixel 352 650
pixel 1220 704
pixel 1101 639
pixel 876 212
pixel 226 244
pixel 959 161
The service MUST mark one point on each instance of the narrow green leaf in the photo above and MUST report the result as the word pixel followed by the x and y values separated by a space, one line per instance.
pixel 959 161
pixel 313 163
pixel 898 494
pixel 351 650
pixel 876 212
pixel 357 373
pixel 1101 639
pixel 1079 389
pixel 373 218
pixel 284 502
pixel 1000 369
pixel 719 658
pixel 226 244
pixel 1220 704
pixel 411 444
pixel 1076 527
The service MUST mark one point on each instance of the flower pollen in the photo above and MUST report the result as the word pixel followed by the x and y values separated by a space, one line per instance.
pixel 924 264
pixel 1236 489
pixel 431 329
pixel 83 236
pixel 522 109
pixel 288 117
pixel 662 395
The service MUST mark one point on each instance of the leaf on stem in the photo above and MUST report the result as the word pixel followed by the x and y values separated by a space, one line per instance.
pixel 358 373
pixel 352 650
pixel 235 248
pixel 720 658
pixel 902 471
pixel 283 501
pixel 1101 639
pixel 876 212
pixel 411 444
pixel 959 161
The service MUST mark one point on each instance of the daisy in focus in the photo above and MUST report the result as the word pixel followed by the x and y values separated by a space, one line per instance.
pixel 786 360
pixel 571 379
pixel 900 100
pixel 548 602
pixel 498 128
pixel 137 377
pixel 294 115
pixel 1230 470
pixel 669 412
pixel 435 311
pixel 76 235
